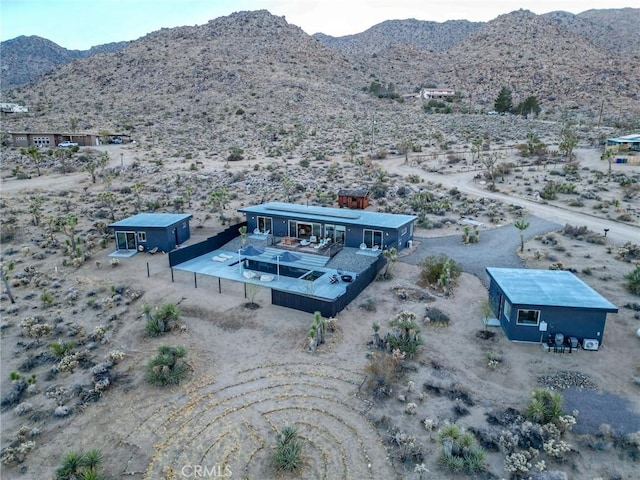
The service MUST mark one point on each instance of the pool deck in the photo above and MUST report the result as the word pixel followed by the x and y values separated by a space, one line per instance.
pixel 225 264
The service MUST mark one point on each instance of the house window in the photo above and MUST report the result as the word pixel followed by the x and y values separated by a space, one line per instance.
pixel 264 224
pixel 507 310
pixel 372 237
pixel 403 232
pixel 142 236
pixel 528 317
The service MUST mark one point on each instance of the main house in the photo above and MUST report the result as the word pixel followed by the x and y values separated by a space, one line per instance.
pixel 351 228
pixel 535 305
pixel 148 231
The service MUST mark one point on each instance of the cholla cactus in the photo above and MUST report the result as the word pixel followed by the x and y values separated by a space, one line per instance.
pixel 556 448
pixel 517 462
pixel 98 332
pixel 410 409
pixel 430 424
pixel 115 356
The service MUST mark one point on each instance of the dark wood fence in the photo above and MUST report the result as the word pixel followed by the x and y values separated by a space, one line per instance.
pixel 329 308
pixel 201 248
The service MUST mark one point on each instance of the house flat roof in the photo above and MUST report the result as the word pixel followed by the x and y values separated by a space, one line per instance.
pixel 330 215
pixel 634 138
pixel 152 220
pixel 557 288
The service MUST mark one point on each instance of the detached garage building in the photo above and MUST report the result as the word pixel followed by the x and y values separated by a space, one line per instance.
pixel 535 305
pixel 147 231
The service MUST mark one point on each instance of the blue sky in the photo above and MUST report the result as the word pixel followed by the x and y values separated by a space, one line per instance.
pixel 81 24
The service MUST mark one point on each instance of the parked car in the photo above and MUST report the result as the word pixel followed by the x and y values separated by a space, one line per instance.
pixel 66 143
pixel 116 140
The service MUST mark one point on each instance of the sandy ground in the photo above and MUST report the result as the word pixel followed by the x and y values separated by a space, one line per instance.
pixel 252 374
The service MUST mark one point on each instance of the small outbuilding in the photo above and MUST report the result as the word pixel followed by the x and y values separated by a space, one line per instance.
pixel 148 231
pixel 535 305
pixel 353 198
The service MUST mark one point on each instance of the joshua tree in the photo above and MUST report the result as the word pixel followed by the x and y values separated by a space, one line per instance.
pixel 4 271
pixel 68 225
pixel 404 147
pixel 243 234
pixel 34 153
pixel 35 208
pixel 391 255
pixel 608 156
pixel 521 225
pixel 218 198
pixel 568 141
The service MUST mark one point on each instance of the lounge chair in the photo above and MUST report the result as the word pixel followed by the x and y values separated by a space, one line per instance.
pixel 313 239
pixel 219 258
pixel 256 231
pixel 247 274
pixel 304 243
pixel 266 278
pixel 375 248
pixel 363 246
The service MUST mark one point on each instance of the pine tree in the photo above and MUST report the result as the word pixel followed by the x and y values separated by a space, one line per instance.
pixel 504 101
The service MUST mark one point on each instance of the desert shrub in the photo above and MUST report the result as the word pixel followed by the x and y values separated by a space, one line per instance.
pixel 633 281
pixel 168 367
pixel 414 178
pixel 460 453
pixel 406 335
pixel 382 371
pixel 549 191
pixel 288 454
pixel 368 305
pixel 435 267
pixel 544 407
pixel 80 465
pixel 436 316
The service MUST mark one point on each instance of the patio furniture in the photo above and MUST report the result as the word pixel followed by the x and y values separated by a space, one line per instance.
pixel 304 243
pixel 375 248
pixel 313 239
pixel 219 258
pixel 266 278
pixel 247 274
pixel 347 278
pixel 363 246
pixel 289 240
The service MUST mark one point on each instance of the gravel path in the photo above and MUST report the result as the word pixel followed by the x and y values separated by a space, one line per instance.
pixel 497 247
pixel 597 408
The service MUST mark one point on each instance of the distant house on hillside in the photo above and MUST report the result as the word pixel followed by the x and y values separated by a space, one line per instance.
pixel 13 108
pixel 353 198
pixel 52 139
pixel 626 149
pixel 429 93
pixel 537 305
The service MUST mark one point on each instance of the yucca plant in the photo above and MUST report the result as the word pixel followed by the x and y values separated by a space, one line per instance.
pixel 288 454
pixel 77 465
pixel 167 368
pixel 545 406
pixel 633 281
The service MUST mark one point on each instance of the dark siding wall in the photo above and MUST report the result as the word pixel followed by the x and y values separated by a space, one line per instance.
pixel 571 322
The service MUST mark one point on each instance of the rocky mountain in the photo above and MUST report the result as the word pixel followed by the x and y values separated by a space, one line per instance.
pixel 27 58
pixel 530 54
pixel 431 36
pixel 252 80
pixel 615 29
